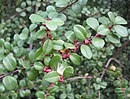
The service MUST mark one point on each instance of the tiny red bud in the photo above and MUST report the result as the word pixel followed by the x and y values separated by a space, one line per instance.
pixel 74 50
pixel 48 19
pixel 61 79
pixel 98 35
pixel 48 70
pixel 110 27
pixel 86 41
pixel 75 41
pixel 64 56
pixel 47 30
pixel 123 90
pixel 44 24
pixel 51 85
pixel 68 55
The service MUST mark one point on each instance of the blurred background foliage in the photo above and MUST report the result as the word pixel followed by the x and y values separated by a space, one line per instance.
pixel 95 8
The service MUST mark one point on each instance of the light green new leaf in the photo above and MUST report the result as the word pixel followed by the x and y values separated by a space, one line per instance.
pixel 120 30
pixel 52 77
pixel 103 30
pixel 10 62
pixel 86 51
pixel 10 82
pixel 93 23
pixel 36 18
pixel 98 43
pixel 120 20
pixel 75 58
pixel 47 47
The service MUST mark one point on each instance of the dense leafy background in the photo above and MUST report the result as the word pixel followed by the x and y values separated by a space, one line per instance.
pixel 24 50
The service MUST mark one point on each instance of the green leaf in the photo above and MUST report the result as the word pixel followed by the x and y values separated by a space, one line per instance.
pixel 24 34
pixel 40 94
pixel 82 2
pixel 113 38
pixel 80 32
pixel 47 47
pixel 53 15
pixel 39 54
pixel 58 21
pixel 32 74
pixel 86 51
pixel 120 20
pixel 32 27
pixel 58 44
pixel 38 66
pixel 93 23
pixel 69 46
pixel 111 16
pixel 41 33
pixel 53 89
pixel 47 60
pixel 2 88
pixel 77 8
pixel 61 3
pixel 52 77
pixel 103 30
pixel 104 20
pixel 70 36
pixel 120 30
pixel 98 43
pixel 10 62
pixel 36 18
pixel 50 8
pixel 75 58
pixel 51 25
pixel 50 97
pixel 10 82
pixel 54 61
pixel 68 71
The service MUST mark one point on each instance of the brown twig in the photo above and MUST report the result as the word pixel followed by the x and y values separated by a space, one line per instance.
pixel 121 48
pixel 106 67
pixel 68 6
pixel 15 71
pixel 80 77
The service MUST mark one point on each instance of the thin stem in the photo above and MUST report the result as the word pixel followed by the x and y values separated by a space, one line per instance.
pixel 121 48
pixel 68 6
pixel 80 77
pixel 2 76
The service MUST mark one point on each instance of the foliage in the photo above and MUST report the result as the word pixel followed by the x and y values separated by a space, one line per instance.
pixel 62 49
